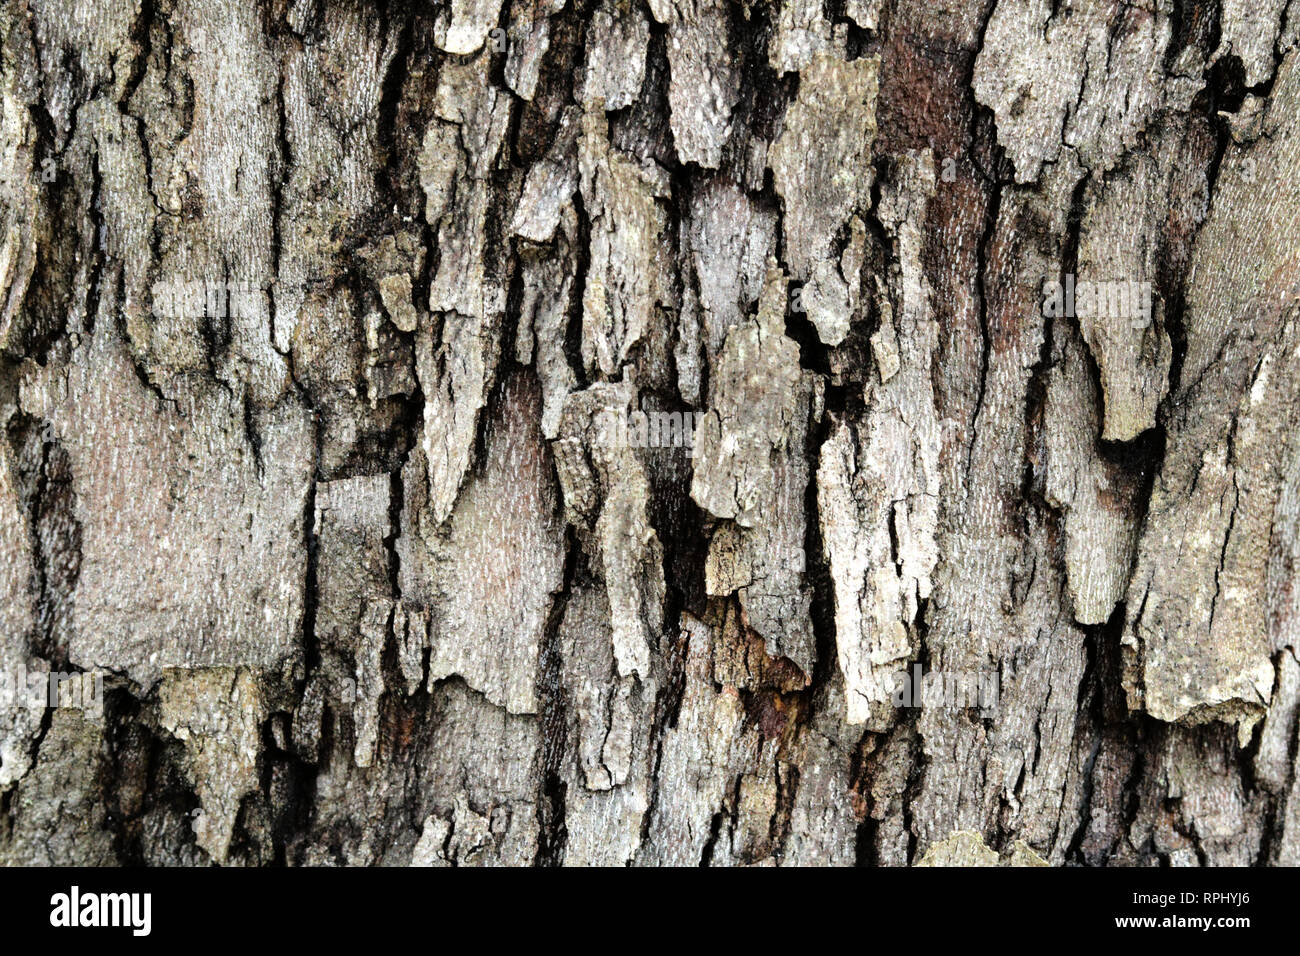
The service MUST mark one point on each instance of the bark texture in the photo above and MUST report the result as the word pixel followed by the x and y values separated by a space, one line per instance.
pixel 587 407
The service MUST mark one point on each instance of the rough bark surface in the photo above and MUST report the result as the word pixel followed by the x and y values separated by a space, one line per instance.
pixel 538 431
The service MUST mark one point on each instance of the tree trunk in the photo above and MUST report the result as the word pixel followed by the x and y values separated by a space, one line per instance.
pixel 621 432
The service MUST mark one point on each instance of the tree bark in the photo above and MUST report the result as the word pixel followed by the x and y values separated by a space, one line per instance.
pixel 544 431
